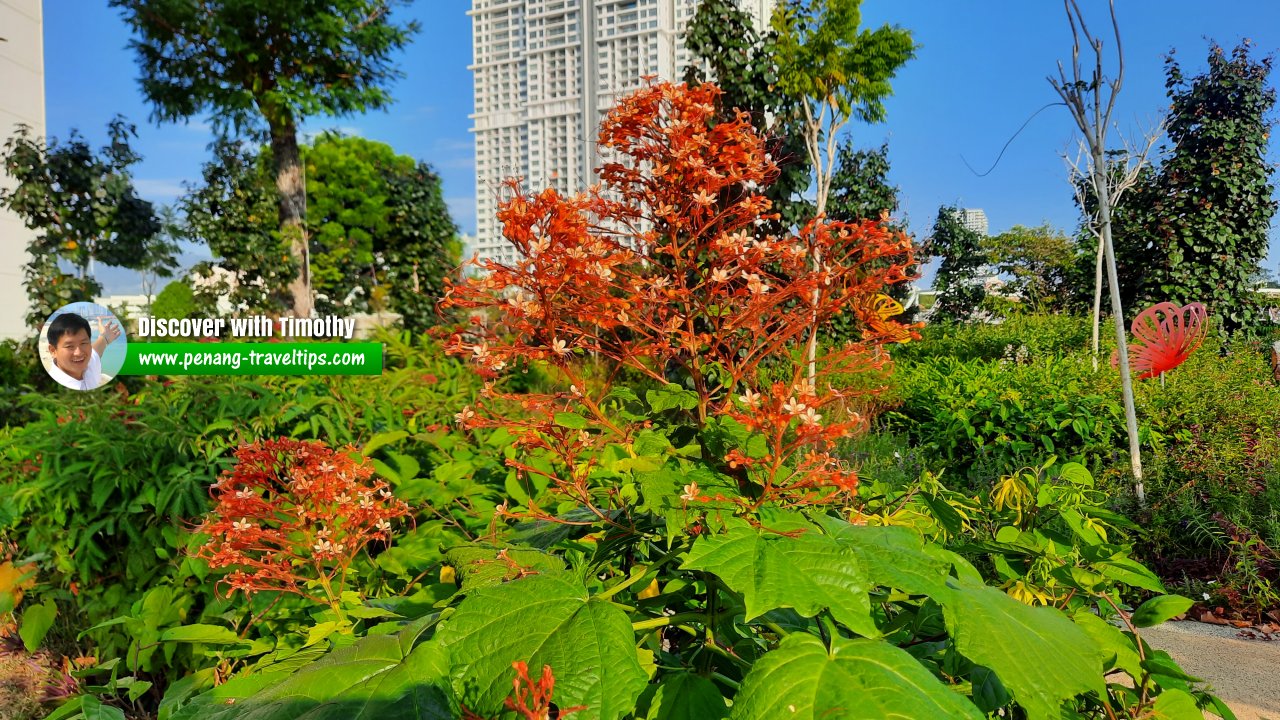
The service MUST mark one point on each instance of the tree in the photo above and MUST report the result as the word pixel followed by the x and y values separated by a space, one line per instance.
pixel 1040 261
pixel 84 209
pixel 836 73
pixel 276 63
pixel 1090 103
pixel 381 223
pixel 232 211
pixel 959 289
pixel 728 50
pixel 378 221
pixel 158 259
pixel 860 190
pixel 1212 203
pixel 1130 237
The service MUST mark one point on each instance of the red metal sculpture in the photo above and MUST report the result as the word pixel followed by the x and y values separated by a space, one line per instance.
pixel 1164 336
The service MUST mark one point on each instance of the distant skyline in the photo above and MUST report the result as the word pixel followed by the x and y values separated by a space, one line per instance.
pixel 979 76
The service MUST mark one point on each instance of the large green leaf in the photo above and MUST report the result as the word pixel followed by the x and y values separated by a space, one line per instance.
pixel 856 680
pixel 204 634
pixel 685 696
pixel 809 572
pixel 1118 649
pixel 1159 609
pixel 380 677
pixel 893 557
pixel 36 621
pixel 1176 705
pixel 1041 657
pixel 545 619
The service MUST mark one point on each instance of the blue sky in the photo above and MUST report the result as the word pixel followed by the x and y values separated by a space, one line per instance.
pixel 979 75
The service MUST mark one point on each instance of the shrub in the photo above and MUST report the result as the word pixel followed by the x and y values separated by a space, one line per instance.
pixel 175 300
pixel 997 415
pixel 107 487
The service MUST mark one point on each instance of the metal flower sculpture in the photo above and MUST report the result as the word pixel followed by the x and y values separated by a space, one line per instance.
pixel 1165 335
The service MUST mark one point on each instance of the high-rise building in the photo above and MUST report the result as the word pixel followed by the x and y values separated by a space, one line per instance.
pixel 973 219
pixel 545 74
pixel 21 102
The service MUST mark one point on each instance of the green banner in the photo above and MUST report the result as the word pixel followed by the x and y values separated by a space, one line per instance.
pixel 229 358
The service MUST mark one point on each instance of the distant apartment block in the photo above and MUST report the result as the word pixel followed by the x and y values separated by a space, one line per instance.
pixel 545 72
pixel 974 219
pixel 21 102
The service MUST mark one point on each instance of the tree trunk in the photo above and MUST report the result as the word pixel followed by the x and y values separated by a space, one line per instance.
pixel 293 209
pixel 1122 336
pixel 1097 302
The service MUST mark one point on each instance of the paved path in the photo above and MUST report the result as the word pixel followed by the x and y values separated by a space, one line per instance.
pixel 1244 673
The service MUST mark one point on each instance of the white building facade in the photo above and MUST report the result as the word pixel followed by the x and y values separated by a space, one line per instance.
pixel 545 72
pixel 21 102
pixel 974 219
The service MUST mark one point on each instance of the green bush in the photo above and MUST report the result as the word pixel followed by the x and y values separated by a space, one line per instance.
pixel 1042 335
pixel 104 488
pixel 997 415
pixel 176 301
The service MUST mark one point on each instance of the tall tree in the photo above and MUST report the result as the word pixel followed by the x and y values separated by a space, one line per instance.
pixel 959 291
pixel 1213 201
pixel 84 209
pixel 727 49
pixel 249 62
pixel 1091 102
pixel 233 212
pixel 378 221
pixel 860 190
pixel 837 73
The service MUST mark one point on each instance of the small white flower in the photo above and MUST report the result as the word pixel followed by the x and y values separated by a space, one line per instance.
pixel 383 526
pixel 750 398
pixel 463 415
pixel 810 416
pixel 323 547
pixel 719 275
pixel 794 407
pixel 242 525
pixel 560 348
pixel 690 492
pixel 245 494
pixel 1206 595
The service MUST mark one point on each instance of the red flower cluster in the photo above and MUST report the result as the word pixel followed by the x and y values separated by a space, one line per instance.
pixel 293 513
pixel 665 269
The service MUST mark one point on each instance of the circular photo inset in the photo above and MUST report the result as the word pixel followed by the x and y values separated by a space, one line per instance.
pixel 82 345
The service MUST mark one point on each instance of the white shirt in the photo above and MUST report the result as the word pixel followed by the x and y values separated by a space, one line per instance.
pixel 92 374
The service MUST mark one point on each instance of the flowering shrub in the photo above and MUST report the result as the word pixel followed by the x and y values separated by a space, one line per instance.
pixel 295 514
pixel 663 271
pixel 676 540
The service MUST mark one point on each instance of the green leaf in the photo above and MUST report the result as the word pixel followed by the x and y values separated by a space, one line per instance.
pixel 893 557
pixel 571 420
pixel 93 709
pixel 671 397
pixel 36 621
pixel 545 619
pixel 1131 572
pixel 1041 657
pixel 380 677
pixel 685 696
pixel 1176 705
pixel 205 634
pixel 479 565
pixel 856 680
pixel 1161 608
pixel 1118 648
pixel 809 573
pixel 381 439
